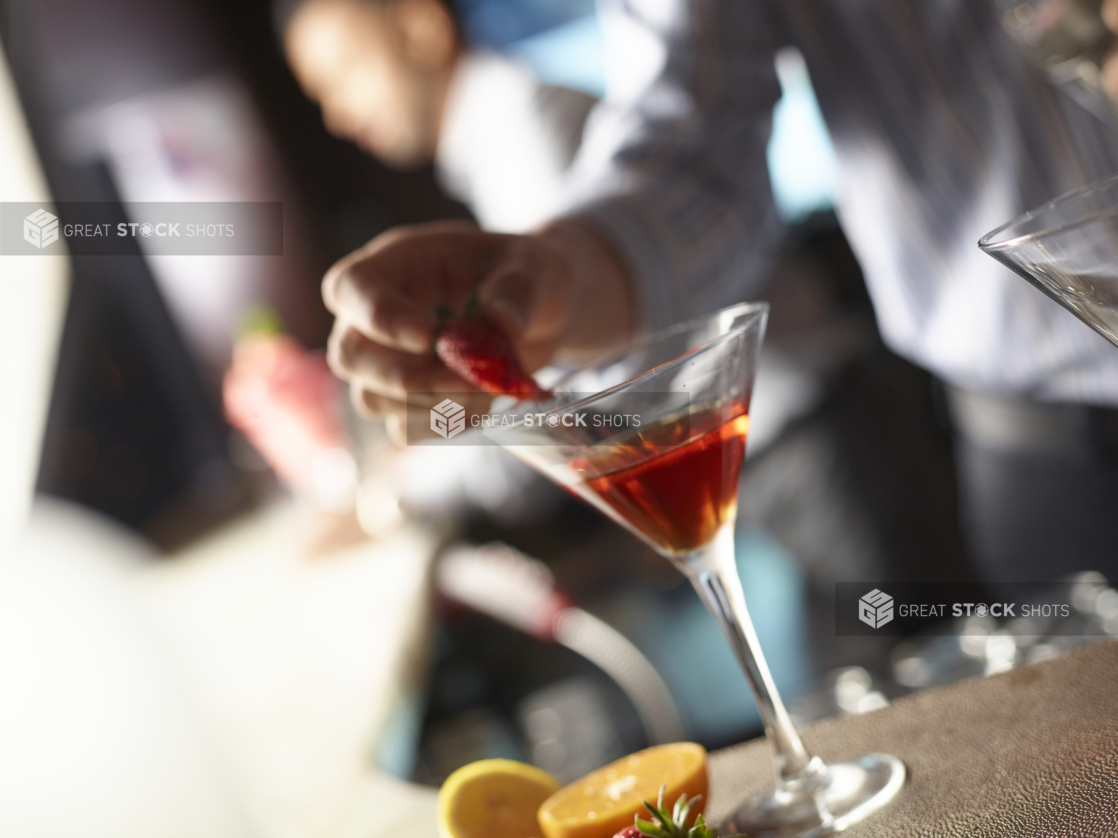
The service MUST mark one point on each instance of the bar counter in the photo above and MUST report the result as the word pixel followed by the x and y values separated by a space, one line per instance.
pixel 1029 752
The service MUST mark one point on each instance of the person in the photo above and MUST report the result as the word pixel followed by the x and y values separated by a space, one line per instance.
pixel 944 130
pixel 399 78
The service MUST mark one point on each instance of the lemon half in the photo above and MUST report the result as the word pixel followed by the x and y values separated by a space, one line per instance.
pixel 494 798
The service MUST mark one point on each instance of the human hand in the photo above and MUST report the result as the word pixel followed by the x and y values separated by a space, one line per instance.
pixel 560 290
pixel 1109 12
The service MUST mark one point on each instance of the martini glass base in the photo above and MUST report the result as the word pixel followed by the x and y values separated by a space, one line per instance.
pixel 821 800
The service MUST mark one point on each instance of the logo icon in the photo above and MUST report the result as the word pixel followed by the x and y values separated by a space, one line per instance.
pixel 875 609
pixel 448 419
pixel 40 228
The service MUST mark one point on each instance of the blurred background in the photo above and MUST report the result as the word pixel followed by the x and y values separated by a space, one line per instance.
pixel 326 616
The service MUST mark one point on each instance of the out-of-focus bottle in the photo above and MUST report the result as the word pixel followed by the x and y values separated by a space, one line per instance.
pixel 1070 40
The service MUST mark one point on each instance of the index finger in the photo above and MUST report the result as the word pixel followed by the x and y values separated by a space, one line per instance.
pixel 377 309
pixel 389 288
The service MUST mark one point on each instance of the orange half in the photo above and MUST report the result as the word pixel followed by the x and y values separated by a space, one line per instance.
pixel 605 801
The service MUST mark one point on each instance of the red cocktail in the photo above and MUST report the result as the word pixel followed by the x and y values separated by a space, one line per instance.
pixel 660 452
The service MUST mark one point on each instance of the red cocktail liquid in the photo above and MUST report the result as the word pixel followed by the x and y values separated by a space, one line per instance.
pixel 680 498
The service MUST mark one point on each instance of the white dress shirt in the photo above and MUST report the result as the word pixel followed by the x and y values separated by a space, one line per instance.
pixel 943 130
pixel 507 140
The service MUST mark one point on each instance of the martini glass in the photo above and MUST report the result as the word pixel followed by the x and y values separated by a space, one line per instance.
pixel 1068 248
pixel 655 439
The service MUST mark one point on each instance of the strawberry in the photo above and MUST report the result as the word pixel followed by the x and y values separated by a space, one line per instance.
pixel 629 832
pixel 286 401
pixel 479 351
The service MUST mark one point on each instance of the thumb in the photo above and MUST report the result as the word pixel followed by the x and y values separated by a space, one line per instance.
pixel 510 297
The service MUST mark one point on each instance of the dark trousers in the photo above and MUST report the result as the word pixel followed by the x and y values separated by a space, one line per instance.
pixel 1038 485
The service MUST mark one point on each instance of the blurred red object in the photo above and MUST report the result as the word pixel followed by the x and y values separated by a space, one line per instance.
pixel 286 401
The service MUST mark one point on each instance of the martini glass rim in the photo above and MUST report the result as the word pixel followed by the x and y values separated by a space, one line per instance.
pixel 990 242
pixel 739 309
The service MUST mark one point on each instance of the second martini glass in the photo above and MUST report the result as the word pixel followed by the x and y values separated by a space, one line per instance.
pixel 655 439
pixel 1068 248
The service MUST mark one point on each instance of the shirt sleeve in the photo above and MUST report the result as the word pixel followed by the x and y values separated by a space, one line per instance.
pixel 673 163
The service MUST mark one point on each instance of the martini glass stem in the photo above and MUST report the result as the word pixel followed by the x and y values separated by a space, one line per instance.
pixel 713 572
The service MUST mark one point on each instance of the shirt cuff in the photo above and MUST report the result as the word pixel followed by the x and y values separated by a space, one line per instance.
pixel 646 251
pixel 676 280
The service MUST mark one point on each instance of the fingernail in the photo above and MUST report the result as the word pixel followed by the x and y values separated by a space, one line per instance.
pixel 507 313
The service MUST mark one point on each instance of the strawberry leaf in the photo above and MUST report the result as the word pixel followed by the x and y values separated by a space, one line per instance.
pixel 261 320
pixel 673 824
pixel 472 304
